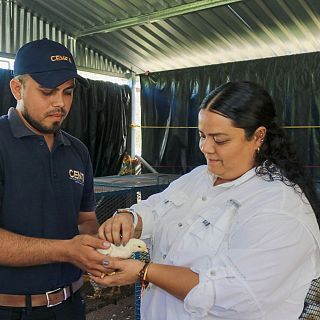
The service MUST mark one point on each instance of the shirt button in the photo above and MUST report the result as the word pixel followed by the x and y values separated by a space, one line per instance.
pixel 55 175
pixel 164 256
pixel 180 224
pixel 41 143
pixel 212 273
pixel 204 198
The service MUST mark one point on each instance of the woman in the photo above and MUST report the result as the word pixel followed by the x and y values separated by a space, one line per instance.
pixel 235 239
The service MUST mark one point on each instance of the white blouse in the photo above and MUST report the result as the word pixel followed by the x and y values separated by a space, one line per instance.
pixel 254 243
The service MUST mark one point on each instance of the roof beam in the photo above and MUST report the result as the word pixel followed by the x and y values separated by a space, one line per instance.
pixel 155 16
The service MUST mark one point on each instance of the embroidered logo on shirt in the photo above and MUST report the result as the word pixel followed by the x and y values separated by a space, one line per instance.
pixel 76 176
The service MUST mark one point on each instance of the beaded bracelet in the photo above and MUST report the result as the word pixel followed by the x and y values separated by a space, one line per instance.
pixel 142 275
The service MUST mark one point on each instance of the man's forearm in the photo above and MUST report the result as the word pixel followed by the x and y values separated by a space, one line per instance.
pixel 17 250
pixel 88 223
pixel 88 227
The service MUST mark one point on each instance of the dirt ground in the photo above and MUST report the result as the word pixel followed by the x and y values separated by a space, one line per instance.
pixel 117 303
pixel 123 310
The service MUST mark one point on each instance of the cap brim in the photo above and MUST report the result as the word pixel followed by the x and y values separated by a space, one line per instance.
pixel 53 79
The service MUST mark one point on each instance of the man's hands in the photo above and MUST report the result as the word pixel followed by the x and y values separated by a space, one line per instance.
pixel 81 252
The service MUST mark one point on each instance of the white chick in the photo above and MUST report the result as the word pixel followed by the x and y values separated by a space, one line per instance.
pixel 125 251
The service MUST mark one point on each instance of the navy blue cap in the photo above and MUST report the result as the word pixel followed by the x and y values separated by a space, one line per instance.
pixel 48 62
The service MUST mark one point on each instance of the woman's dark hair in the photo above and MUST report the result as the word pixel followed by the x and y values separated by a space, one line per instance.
pixel 249 106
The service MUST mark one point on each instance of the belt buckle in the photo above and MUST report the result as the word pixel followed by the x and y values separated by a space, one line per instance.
pixel 49 305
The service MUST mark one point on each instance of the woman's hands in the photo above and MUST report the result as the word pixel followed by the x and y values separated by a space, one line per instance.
pixel 118 229
pixel 126 272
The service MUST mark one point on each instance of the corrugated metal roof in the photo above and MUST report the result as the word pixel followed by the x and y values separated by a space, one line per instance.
pixel 157 35
pixel 19 25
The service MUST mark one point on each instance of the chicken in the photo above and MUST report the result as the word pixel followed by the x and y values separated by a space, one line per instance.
pixel 125 251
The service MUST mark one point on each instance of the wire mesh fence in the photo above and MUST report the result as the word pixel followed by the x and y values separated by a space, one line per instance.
pixel 311 310
pixel 117 192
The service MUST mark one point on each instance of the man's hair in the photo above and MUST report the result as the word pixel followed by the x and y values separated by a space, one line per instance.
pixel 22 78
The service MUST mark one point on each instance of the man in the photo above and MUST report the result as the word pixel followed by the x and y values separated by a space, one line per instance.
pixel 46 193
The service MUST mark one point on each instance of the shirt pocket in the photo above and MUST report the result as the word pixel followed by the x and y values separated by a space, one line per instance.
pixel 170 202
pixel 203 232
pixel 202 225
pixel 197 244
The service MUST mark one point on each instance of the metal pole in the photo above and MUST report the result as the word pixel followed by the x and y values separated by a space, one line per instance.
pixel 133 114
pixel 146 164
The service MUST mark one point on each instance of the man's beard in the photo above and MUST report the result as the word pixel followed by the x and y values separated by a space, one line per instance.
pixel 39 126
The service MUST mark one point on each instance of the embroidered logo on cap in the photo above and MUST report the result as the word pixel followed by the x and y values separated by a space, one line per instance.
pixel 60 58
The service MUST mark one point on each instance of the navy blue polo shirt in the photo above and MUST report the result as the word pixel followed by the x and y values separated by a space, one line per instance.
pixel 41 195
